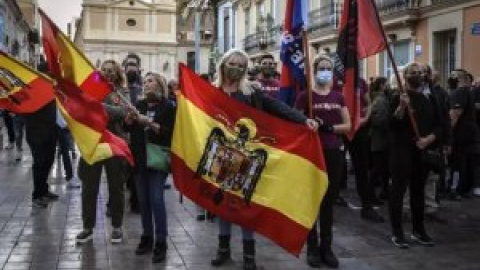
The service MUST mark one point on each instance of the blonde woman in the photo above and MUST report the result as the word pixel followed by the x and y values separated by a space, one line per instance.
pixel 232 80
pixel 152 123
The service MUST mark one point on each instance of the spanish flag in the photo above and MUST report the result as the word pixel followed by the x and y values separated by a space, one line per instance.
pixel 87 120
pixel 246 166
pixel 22 90
pixel 67 62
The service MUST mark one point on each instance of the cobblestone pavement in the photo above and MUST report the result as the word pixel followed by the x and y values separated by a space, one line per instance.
pixel 45 238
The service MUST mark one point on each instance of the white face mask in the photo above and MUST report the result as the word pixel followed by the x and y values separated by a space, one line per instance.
pixel 323 77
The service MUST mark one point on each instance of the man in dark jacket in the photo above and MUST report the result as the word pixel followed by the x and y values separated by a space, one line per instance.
pixel 41 135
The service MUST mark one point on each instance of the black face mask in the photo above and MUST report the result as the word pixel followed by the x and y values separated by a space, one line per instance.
pixel 132 76
pixel 452 83
pixel 415 81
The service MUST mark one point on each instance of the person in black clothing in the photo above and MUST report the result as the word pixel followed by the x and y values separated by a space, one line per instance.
pixel 134 87
pixel 379 143
pixel 466 137
pixel 41 136
pixel 232 80
pixel 407 167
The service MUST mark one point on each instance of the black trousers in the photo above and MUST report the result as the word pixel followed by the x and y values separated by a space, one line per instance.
pixel 334 160
pixel 380 173
pixel 359 149
pixel 9 125
pixel 407 171
pixel 468 164
pixel 43 153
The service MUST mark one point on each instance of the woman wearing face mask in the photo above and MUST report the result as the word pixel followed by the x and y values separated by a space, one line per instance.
pixel 115 104
pixel 407 167
pixel 152 123
pixel 232 80
pixel 329 110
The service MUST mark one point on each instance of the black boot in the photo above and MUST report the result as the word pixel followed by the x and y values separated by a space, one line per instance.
pixel 223 253
pixel 313 255
pixel 145 246
pixel 249 255
pixel 160 252
pixel 327 256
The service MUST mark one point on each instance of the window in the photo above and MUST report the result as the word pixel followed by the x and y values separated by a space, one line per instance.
pixel 260 11
pixel 131 22
pixel 191 60
pixel 401 54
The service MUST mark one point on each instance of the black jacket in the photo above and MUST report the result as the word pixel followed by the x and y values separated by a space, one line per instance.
pixel 426 115
pixel 272 106
pixel 164 115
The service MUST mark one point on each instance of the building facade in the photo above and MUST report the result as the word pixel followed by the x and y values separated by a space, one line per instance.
pixel 14 31
pixel 112 29
pixel 442 33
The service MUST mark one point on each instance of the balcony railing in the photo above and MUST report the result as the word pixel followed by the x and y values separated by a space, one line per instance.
pixel 386 7
pixel 263 39
pixel 325 18
pixel 328 16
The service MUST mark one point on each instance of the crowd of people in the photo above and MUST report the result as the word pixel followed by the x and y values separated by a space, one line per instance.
pixel 412 134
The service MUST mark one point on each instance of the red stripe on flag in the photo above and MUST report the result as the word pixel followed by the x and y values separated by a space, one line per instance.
pixel 252 217
pixel 119 146
pixel 37 94
pixel 96 86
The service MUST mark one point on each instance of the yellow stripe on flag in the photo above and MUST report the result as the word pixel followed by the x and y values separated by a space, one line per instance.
pixel 87 139
pixel 293 173
pixel 75 66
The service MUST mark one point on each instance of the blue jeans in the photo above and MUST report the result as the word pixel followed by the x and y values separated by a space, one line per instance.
pixel 150 197
pixel 226 229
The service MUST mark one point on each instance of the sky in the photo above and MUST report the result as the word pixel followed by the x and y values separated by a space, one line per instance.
pixel 61 11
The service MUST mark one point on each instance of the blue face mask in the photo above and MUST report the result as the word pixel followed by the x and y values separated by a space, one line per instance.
pixel 323 77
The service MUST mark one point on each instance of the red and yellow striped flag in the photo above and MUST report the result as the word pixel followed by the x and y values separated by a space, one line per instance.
pixel 246 166
pixel 22 89
pixel 87 121
pixel 67 62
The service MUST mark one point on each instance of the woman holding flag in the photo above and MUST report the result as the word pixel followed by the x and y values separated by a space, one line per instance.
pixel 329 109
pixel 232 80
pixel 115 167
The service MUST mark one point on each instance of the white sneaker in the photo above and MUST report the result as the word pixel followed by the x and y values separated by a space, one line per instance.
pixel 18 155
pixel 9 146
pixel 476 192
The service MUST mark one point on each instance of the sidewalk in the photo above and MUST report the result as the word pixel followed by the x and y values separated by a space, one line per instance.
pixel 45 238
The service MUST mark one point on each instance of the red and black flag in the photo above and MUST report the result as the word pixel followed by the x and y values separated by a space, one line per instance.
pixel 360 35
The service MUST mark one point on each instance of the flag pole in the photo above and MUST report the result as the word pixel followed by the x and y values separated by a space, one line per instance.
pixel 397 74
pixel 308 75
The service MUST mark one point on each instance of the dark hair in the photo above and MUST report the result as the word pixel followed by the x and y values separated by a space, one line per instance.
pixel 132 55
pixel 377 84
pixel 265 56
pixel 205 76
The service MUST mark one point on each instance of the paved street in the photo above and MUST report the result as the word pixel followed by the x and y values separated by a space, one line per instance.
pixel 44 238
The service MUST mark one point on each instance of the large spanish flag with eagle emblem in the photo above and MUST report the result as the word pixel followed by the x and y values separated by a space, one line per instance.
pixel 65 61
pixel 22 90
pixel 246 166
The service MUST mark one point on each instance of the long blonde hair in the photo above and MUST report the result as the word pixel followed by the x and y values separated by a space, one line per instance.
pixel 243 86
pixel 161 83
